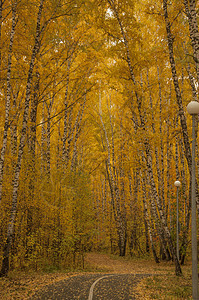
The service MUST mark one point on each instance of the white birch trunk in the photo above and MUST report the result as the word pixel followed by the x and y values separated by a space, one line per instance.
pixel 146 214
pixel 115 192
pixel 11 224
pixel 190 9
pixel 8 95
pixel 78 128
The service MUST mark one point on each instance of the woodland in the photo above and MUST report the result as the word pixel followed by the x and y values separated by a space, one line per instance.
pixel 94 129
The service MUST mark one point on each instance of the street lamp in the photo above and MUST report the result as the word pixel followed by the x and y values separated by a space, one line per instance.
pixel 177 184
pixel 193 110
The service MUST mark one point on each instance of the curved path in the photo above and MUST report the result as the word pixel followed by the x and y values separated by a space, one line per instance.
pixel 92 287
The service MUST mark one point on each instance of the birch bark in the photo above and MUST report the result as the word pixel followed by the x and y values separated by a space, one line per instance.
pixel 49 107
pixel 146 214
pixel 146 144
pixel 176 86
pixel 31 175
pixel 78 128
pixel 190 10
pixel 1 11
pixel 11 224
pixel 8 92
pixel 114 188
pixel 66 113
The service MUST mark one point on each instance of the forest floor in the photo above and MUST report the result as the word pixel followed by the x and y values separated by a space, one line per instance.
pixel 162 284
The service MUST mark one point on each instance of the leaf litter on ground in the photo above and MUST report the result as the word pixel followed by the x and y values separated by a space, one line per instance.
pixel 161 284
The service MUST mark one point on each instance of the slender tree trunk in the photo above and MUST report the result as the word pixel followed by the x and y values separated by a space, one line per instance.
pixel 1 11
pixel 190 9
pixel 78 128
pixel 31 176
pixel 149 162
pixel 156 215
pixel 187 209
pixel 146 231
pixel 114 188
pixel 48 135
pixel 13 129
pixel 191 80
pixel 162 216
pixel 8 92
pixel 66 113
pixel 10 230
pixel 162 171
pixel 147 220
pixel 177 88
pixel 134 211
pixel 43 144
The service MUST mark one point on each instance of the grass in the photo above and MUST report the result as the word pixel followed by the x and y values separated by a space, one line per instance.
pixel 162 284
pixel 167 286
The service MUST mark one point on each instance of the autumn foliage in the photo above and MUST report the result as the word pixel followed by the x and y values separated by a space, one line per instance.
pixel 94 129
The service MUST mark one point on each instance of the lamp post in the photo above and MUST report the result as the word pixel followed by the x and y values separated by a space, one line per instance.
pixel 193 110
pixel 177 184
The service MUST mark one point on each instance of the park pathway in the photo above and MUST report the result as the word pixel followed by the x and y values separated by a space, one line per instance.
pixel 92 287
pixel 118 283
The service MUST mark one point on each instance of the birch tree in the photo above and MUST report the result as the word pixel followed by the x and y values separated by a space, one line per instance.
pixel 8 91
pixel 10 231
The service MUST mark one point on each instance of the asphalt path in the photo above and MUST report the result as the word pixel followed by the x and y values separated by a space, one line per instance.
pixel 92 287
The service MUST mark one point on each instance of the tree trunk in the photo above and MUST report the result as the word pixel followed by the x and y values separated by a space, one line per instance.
pixel 119 215
pixel 78 128
pixel 147 146
pixel 10 231
pixel 162 216
pixel 177 88
pixel 1 10
pixel 31 176
pixel 190 10
pixel 8 94
pixel 66 114
pixel 147 220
